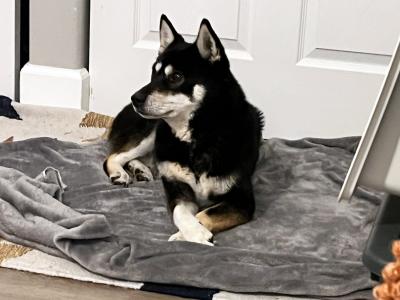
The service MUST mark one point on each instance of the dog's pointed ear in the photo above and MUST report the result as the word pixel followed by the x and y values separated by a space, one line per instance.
pixel 208 43
pixel 168 34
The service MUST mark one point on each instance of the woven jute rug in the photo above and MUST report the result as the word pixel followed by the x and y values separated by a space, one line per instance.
pixel 92 119
pixel 9 250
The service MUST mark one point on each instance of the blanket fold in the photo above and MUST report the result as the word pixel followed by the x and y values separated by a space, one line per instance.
pixel 35 214
pixel 301 241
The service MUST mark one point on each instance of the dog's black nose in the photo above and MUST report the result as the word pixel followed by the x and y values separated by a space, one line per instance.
pixel 138 98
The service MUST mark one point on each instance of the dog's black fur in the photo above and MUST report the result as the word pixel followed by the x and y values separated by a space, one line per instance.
pixel 225 129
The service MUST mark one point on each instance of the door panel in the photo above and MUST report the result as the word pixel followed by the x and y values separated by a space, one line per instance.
pixel 309 78
pixel 358 25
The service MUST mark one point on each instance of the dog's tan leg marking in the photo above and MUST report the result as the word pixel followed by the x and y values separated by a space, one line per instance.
pixel 220 220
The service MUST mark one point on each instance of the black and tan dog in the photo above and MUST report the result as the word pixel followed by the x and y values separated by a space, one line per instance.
pixel 193 121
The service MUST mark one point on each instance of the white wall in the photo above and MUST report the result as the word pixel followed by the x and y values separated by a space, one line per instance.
pixel 8 47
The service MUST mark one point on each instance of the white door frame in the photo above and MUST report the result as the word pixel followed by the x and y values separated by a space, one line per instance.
pixel 10 48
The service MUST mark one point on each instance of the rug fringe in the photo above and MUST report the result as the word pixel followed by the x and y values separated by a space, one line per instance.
pixel 92 119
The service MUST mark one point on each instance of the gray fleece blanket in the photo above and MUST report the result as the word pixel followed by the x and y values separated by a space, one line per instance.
pixel 301 241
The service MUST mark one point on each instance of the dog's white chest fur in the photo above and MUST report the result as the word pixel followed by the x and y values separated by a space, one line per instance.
pixel 203 186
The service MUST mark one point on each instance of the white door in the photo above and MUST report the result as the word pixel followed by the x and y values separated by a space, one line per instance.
pixel 314 67
pixel 9 51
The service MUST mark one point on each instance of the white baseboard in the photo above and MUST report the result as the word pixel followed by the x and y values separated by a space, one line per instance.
pixel 51 86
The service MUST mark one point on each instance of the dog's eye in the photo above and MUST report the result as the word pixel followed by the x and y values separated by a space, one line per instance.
pixel 175 77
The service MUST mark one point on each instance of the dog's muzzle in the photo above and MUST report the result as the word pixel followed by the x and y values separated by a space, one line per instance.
pixel 138 99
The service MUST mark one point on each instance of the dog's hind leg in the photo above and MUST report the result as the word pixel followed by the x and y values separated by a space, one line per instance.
pixel 222 216
pixel 234 208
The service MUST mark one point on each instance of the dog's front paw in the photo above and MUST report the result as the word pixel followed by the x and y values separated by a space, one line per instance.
pixel 140 175
pixel 201 236
pixel 198 234
pixel 120 178
pixel 139 171
pixel 176 237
